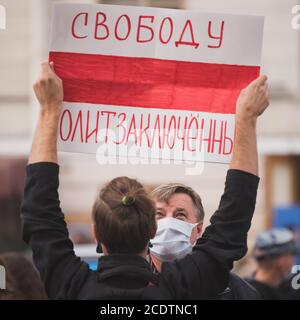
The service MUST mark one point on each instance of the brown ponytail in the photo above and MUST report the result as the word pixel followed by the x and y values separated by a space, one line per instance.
pixel 124 216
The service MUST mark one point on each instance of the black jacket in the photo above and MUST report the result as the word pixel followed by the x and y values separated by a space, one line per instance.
pixel 266 291
pixel 200 275
pixel 239 289
pixel 284 291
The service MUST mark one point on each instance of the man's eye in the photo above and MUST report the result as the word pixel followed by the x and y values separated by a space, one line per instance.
pixel 181 214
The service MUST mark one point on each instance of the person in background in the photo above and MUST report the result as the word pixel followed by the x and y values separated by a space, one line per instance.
pixel 180 215
pixel 274 252
pixel 22 280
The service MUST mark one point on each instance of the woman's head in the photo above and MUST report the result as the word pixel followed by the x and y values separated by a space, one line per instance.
pixel 124 217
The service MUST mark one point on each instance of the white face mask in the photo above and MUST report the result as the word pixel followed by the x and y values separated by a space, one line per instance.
pixel 172 239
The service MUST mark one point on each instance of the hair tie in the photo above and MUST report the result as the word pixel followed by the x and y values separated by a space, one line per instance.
pixel 128 200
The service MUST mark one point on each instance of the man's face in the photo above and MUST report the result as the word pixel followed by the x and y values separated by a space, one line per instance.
pixel 180 206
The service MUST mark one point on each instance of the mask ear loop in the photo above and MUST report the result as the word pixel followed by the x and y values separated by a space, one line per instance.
pixel 195 224
pixel 150 245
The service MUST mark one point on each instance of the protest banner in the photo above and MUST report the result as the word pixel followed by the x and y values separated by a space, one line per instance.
pixel 160 82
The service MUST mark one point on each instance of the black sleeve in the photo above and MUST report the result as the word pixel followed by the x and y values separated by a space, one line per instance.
pixel 44 229
pixel 205 272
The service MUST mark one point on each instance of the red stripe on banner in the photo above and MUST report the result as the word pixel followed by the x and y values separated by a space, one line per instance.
pixel 151 83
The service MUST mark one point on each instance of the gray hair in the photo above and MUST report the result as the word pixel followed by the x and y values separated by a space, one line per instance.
pixel 165 191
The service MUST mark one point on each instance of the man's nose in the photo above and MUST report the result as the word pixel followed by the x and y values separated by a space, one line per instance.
pixel 169 214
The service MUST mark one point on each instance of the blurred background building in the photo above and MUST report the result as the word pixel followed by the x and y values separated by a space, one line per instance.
pixel 24 44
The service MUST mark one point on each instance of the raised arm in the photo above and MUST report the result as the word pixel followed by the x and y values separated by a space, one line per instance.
pixel 44 227
pixel 205 272
pixel 252 102
pixel 49 92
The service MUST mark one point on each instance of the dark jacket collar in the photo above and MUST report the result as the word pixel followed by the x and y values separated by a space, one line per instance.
pixel 121 270
pixel 117 260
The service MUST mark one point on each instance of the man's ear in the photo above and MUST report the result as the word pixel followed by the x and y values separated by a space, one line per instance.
pixel 199 228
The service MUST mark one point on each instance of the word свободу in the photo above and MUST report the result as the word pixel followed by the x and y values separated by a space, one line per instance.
pixel 144 31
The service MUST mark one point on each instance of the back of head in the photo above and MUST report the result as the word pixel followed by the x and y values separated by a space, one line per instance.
pixel 22 280
pixel 124 217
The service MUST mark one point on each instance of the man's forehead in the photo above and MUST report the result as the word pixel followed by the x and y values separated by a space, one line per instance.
pixel 176 200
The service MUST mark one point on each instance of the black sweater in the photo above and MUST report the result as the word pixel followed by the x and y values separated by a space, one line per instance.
pixel 201 275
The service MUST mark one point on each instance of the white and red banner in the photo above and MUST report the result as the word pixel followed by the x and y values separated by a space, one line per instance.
pixel 152 82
